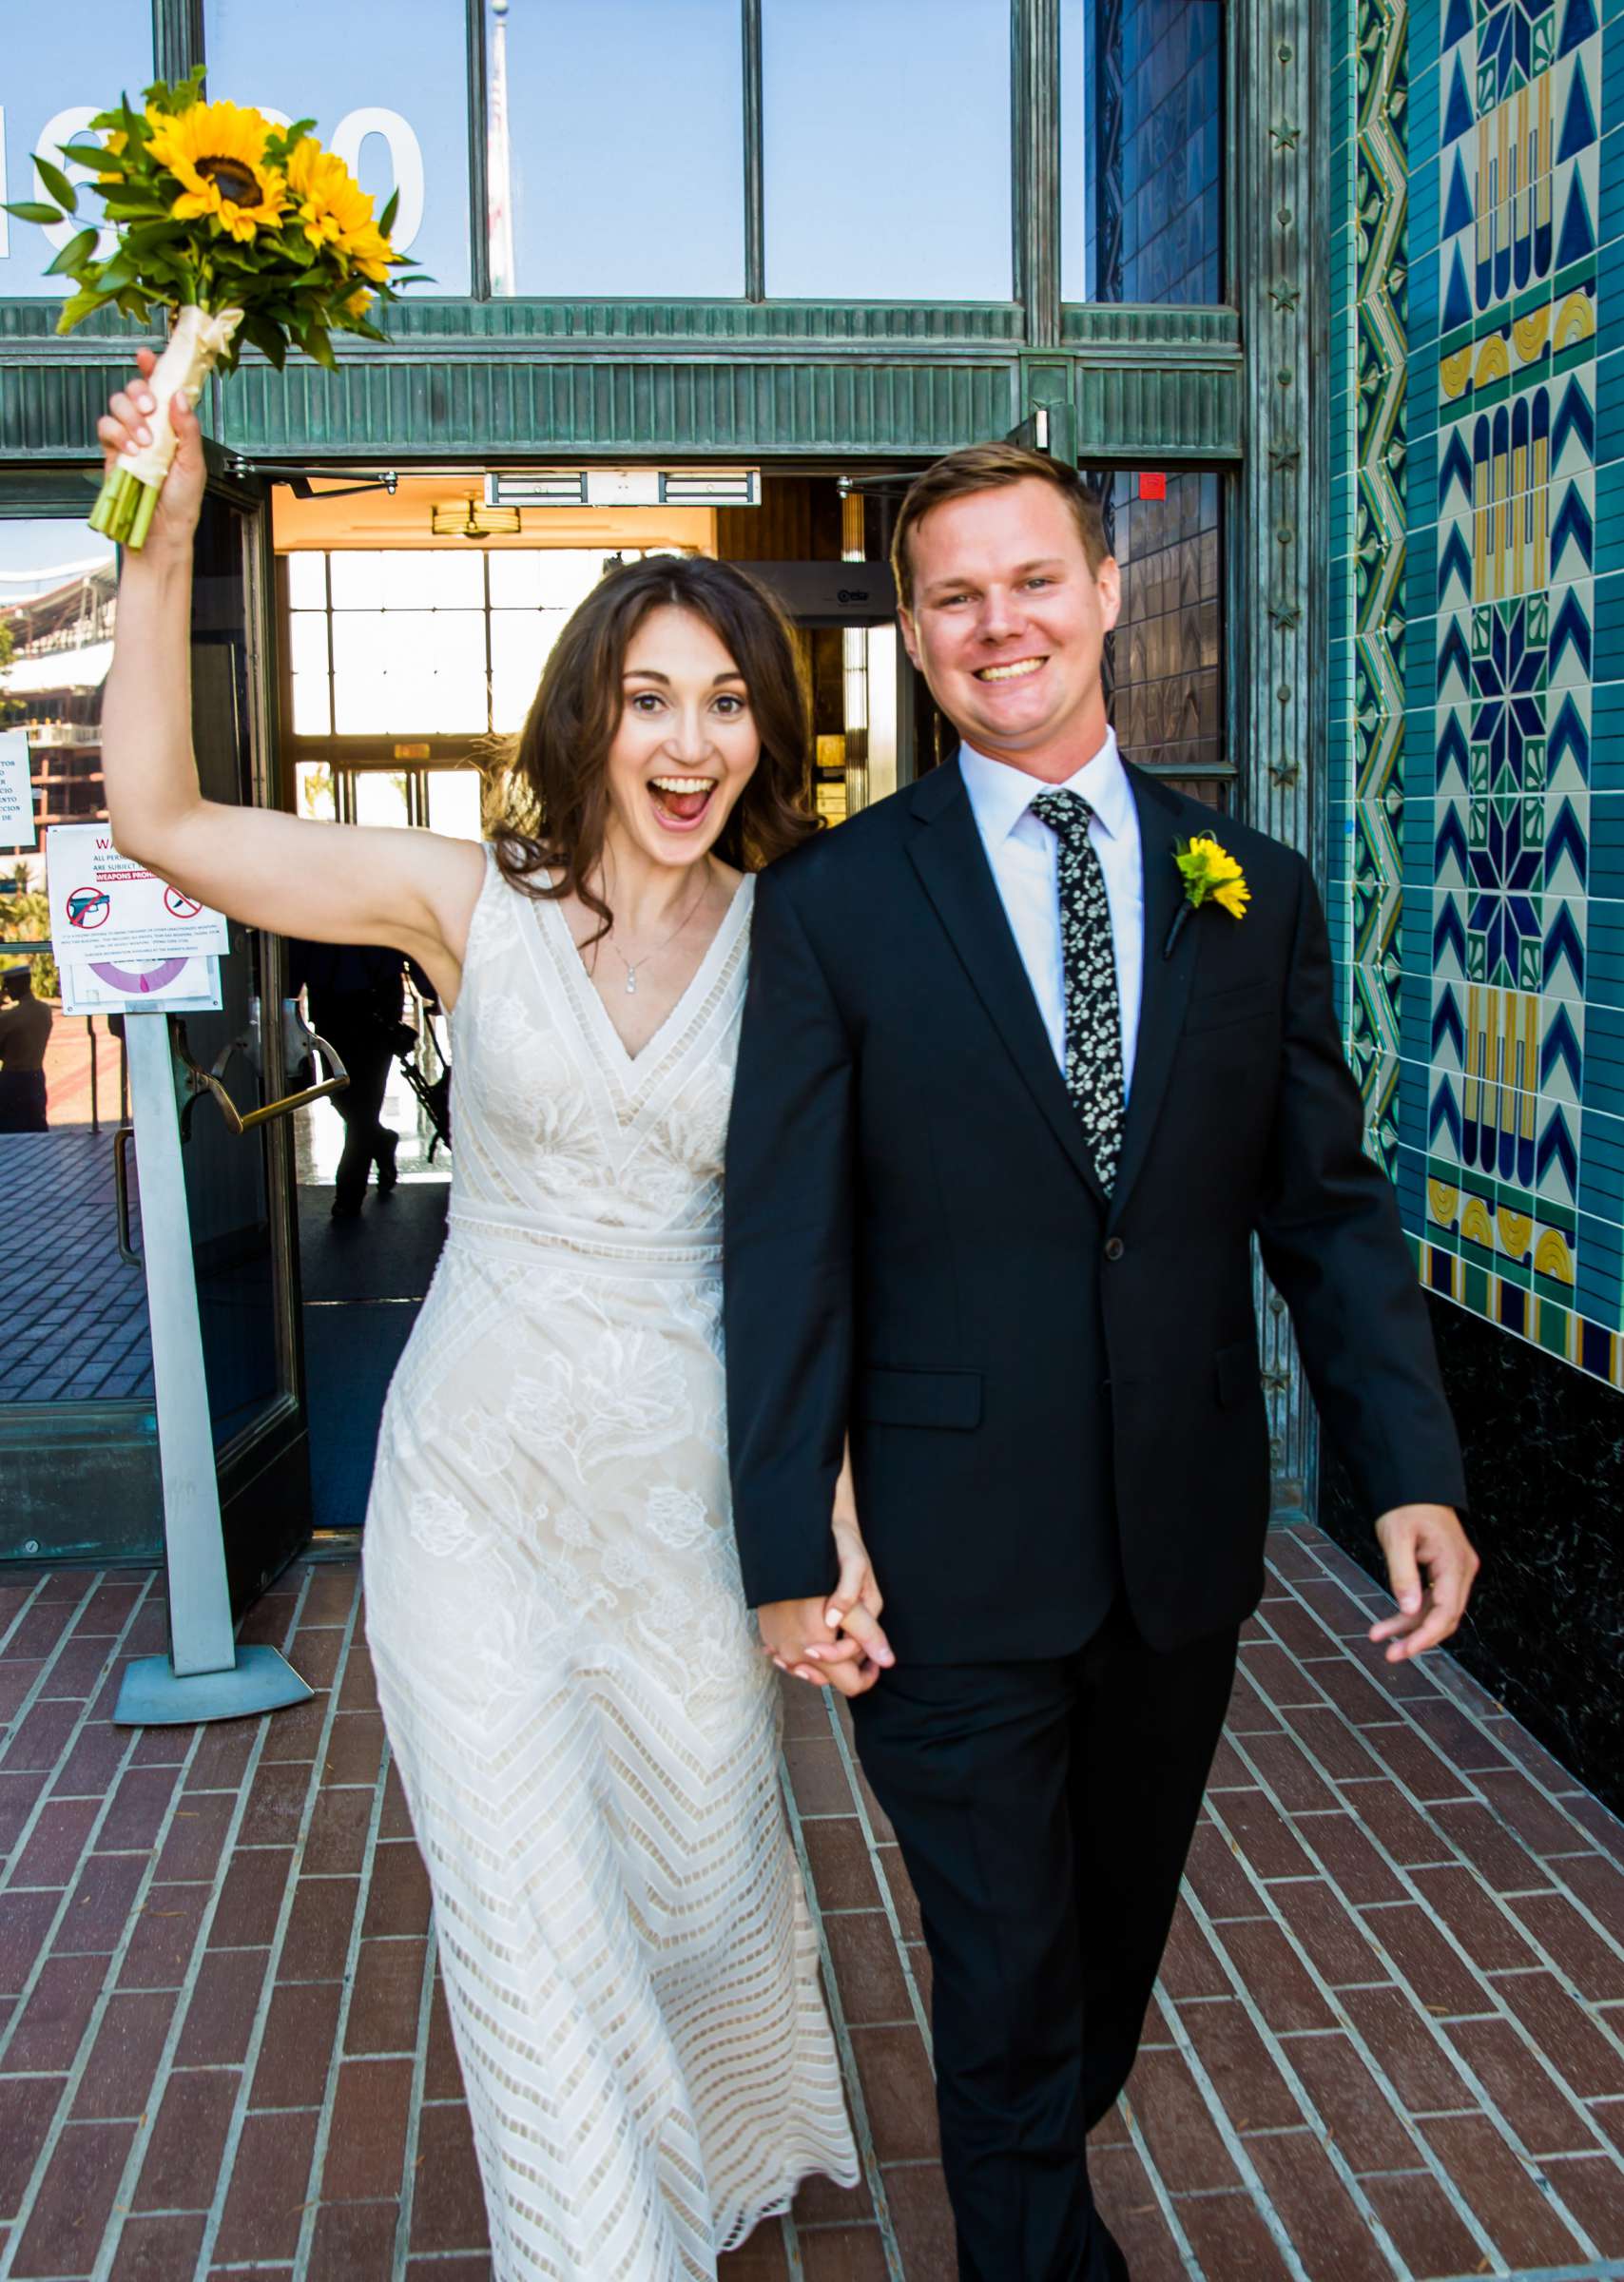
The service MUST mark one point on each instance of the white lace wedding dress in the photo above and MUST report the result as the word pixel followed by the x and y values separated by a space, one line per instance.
pixel 584 1723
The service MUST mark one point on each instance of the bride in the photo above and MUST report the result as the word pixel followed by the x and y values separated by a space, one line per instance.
pixel 585 1726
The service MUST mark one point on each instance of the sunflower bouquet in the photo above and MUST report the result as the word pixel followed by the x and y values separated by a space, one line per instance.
pixel 242 230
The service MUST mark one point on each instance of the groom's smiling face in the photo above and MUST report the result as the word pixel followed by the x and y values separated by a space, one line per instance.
pixel 1006 624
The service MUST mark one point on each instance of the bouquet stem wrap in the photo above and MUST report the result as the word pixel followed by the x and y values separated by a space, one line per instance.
pixel 129 491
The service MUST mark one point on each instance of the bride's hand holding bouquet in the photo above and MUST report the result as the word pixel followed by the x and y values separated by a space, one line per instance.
pixel 242 230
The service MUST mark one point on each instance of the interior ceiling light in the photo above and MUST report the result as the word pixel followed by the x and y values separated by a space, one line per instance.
pixel 469 520
pixel 624 487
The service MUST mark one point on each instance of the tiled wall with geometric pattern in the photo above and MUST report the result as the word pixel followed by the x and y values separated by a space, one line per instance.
pixel 1504 967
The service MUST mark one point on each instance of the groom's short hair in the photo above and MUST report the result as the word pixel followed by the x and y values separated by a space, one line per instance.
pixel 989 467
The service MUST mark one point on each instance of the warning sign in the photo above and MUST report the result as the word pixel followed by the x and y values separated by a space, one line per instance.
pixel 178 986
pixel 134 918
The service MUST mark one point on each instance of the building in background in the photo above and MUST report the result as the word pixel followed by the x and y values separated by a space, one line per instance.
pixel 1319 295
pixel 60 648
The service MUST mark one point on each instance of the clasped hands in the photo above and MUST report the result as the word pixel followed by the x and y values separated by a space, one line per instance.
pixel 835 1639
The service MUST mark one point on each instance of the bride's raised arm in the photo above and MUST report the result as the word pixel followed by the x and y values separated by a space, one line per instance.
pixel 413 890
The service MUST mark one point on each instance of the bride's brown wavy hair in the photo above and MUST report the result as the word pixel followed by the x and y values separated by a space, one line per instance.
pixel 552 787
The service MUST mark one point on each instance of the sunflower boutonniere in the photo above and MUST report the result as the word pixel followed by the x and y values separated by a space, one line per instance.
pixel 1210 875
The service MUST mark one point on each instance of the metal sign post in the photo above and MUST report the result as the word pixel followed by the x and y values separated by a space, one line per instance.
pixel 206 1675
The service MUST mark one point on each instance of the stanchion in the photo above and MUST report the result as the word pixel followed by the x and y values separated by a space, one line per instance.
pixel 206 1675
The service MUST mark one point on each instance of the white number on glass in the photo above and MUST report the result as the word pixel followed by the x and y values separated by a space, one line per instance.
pixel 68 127
pixel 405 158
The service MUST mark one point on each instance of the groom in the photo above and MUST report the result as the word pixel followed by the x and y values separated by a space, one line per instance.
pixel 1010 1110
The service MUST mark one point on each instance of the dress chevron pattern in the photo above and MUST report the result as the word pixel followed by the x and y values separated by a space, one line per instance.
pixel 584 1727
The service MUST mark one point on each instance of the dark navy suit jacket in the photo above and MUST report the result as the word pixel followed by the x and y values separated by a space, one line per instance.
pixel 1050 1394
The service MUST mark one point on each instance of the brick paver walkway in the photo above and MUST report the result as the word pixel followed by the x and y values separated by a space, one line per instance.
pixel 75 1313
pixel 1389 2041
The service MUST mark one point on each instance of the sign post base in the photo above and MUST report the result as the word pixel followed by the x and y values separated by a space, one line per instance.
pixel 153 1695
pixel 206 1675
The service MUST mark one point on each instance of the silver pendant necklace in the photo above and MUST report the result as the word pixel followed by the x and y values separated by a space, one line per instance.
pixel 631 965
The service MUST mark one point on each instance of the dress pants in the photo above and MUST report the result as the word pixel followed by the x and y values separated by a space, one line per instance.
pixel 22 1101
pixel 366 1049
pixel 1044 1811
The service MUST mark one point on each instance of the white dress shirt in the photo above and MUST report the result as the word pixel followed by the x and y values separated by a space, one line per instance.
pixel 1023 853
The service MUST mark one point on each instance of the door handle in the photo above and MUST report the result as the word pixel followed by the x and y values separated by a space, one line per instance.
pixel 238 1121
pixel 128 1253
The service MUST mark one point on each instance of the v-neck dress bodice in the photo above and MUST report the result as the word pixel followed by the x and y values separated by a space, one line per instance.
pixel 584 1723
pixel 570 1140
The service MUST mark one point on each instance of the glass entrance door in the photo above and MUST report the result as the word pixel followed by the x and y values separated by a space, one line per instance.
pixel 240 1185
pixel 80 1432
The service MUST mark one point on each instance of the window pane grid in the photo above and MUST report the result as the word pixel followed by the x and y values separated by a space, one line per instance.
pixel 427 643
pixel 872 198
pixel 617 149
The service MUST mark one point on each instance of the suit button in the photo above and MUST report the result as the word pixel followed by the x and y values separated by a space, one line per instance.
pixel 1115 1247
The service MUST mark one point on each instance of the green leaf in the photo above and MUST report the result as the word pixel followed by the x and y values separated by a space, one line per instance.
pixel 153 229
pixel 178 95
pixel 386 219
pixel 267 338
pixel 29 209
pixel 141 236
pixel 57 184
pixel 74 254
pixel 77 308
pixel 82 154
pixel 133 302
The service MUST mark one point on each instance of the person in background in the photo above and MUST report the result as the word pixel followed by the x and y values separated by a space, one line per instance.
pixel 354 993
pixel 25 1026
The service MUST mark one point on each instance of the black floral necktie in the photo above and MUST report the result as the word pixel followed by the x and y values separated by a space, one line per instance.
pixel 1094 1020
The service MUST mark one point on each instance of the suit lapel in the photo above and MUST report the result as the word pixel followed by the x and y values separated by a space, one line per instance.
pixel 953 867
pixel 1166 982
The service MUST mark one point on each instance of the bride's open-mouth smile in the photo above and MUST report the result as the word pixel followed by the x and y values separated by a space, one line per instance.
pixel 681 803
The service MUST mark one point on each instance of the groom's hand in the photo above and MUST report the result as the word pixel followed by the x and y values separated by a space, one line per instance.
pixel 1430 1567
pixel 797 1635
pixel 836 1640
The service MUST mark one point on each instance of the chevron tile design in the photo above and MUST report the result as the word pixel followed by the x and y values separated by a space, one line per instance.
pixel 1374 321
pixel 1478 831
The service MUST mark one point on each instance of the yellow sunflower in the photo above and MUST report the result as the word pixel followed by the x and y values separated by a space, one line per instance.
pixel 371 254
pixel 217 150
pixel 1211 874
pixel 335 210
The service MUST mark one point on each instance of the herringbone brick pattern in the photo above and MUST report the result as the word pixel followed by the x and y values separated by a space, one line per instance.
pixel 1389 2042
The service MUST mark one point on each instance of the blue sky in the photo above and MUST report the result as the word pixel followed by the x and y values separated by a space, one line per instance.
pixel 47 544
